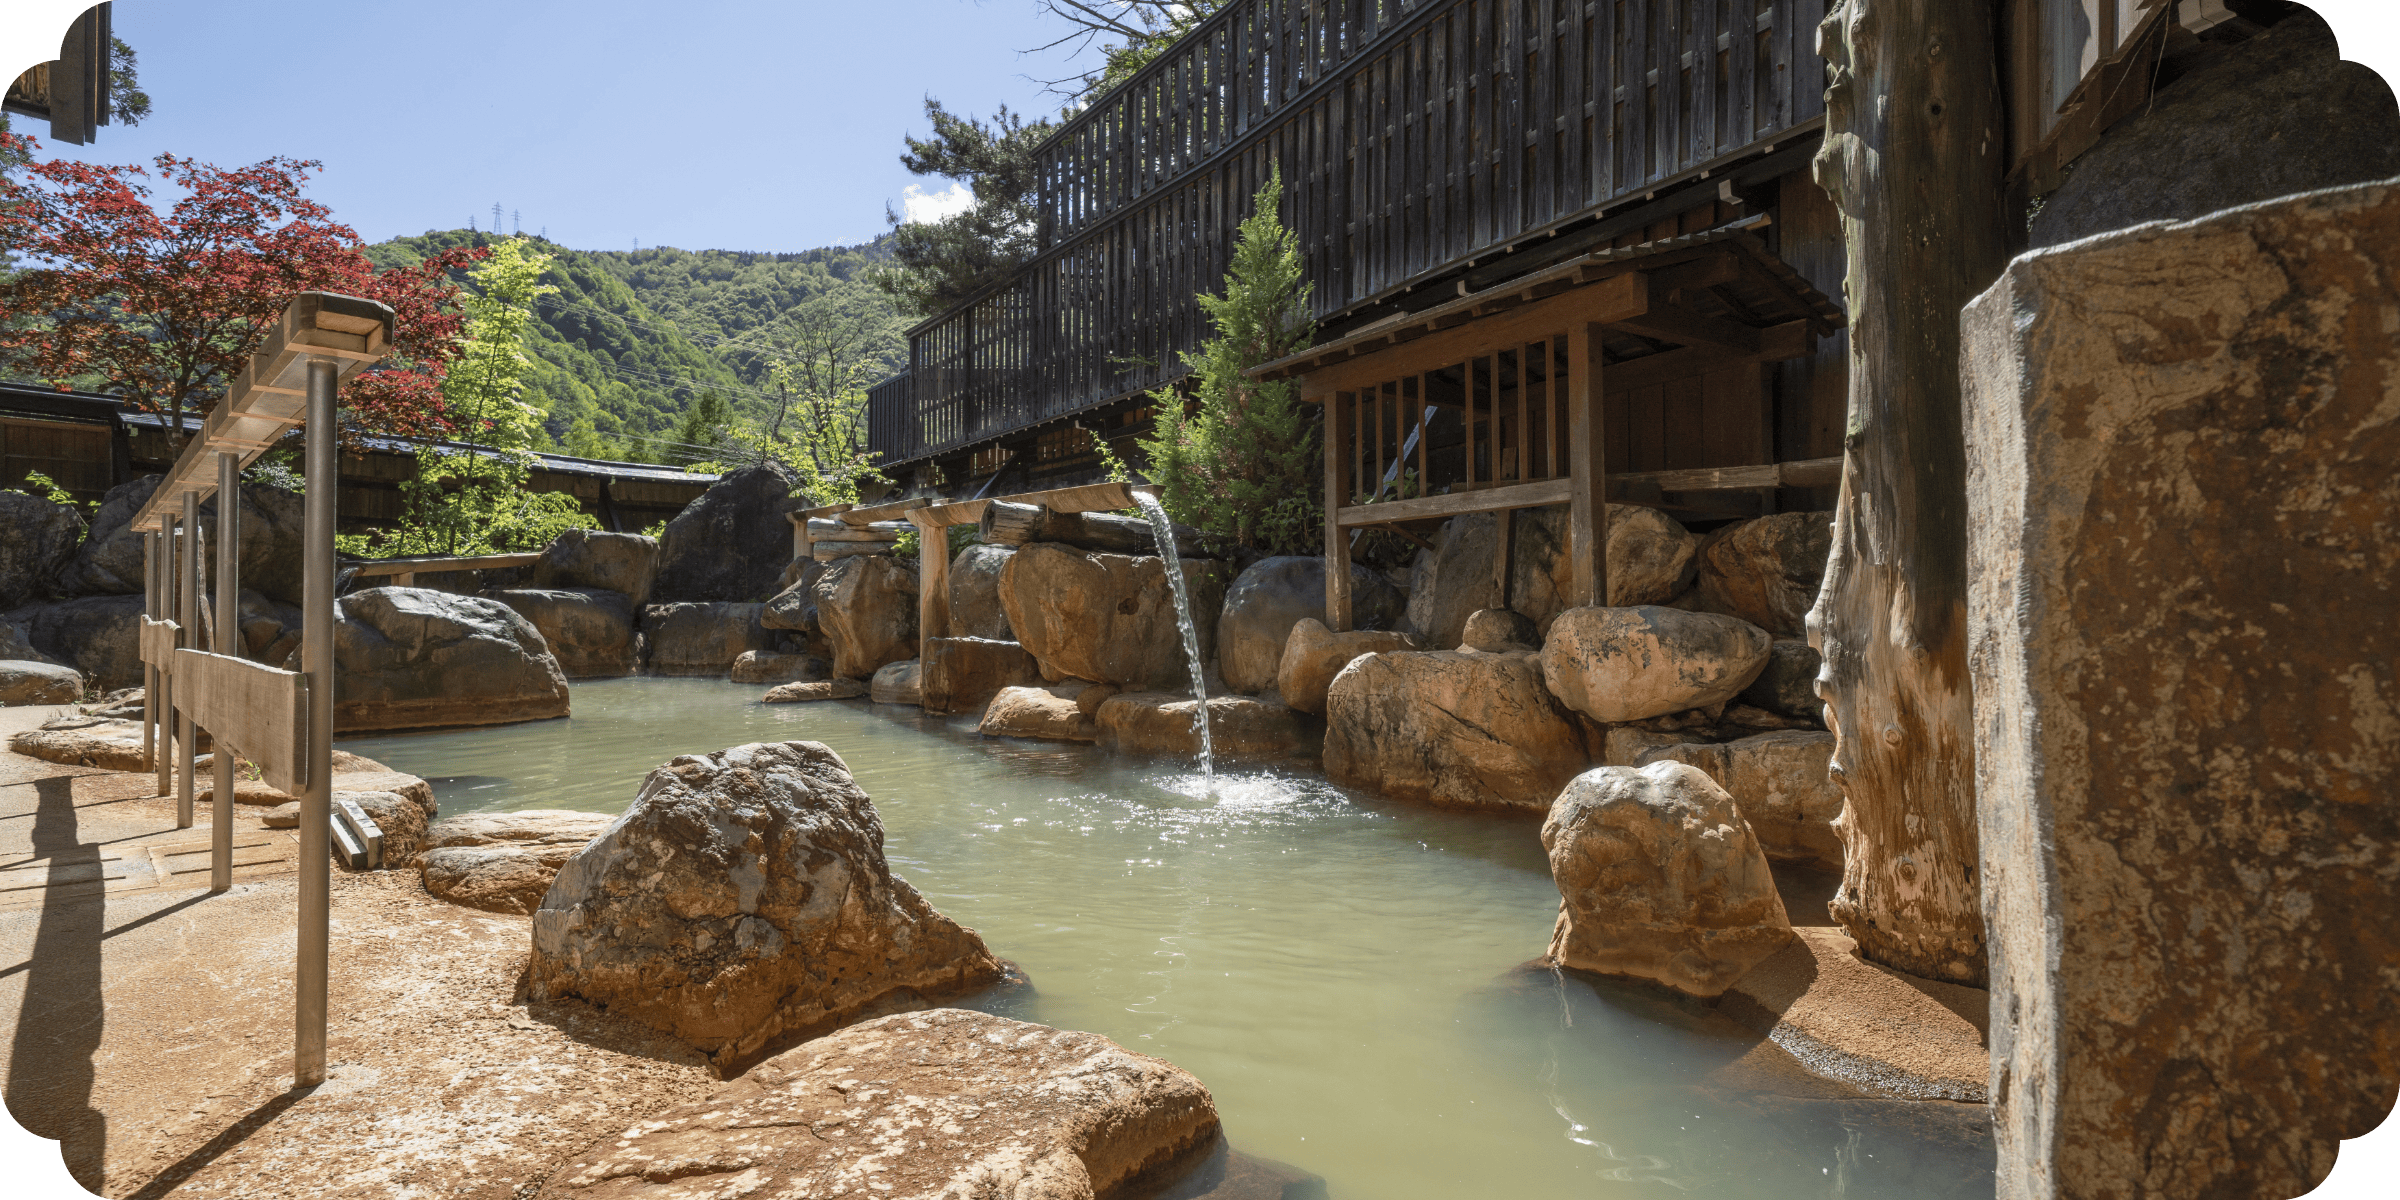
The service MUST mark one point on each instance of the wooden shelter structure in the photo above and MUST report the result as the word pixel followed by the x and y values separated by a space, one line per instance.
pixel 1628 375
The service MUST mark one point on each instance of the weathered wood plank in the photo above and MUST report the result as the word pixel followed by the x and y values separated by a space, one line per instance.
pixel 411 566
pixel 258 709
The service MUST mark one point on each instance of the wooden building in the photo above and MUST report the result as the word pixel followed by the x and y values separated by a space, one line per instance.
pixel 1430 152
pixel 87 444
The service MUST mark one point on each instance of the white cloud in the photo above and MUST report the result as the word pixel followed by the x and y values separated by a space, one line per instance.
pixel 916 206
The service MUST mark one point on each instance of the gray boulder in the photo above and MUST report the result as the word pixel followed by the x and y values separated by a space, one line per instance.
pixel 37 538
pixel 1274 594
pixel 744 897
pixel 975 608
pixel 867 608
pixel 795 607
pixel 1788 686
pixel 100 636
pixel 896 683
pixel 626 563
pixel 702 638
pixel 411 658
pixel 1649 562
pixel 110 560
pixel 1659 878
pixel 589 629
pixel 1766 571
pixel 2277 114
pixel 1630 664
pixel 272 520
pixel 25 683
pixel 265 622
pixel 732 543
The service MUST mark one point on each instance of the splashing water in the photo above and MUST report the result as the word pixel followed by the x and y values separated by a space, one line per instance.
pixel 1165 532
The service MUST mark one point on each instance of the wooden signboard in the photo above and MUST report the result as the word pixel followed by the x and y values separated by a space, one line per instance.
pixel 159 642
pixel 258 709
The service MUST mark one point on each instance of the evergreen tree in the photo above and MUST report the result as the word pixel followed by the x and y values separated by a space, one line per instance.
pixel 1242 463
pixel 943 262
pixel 702 429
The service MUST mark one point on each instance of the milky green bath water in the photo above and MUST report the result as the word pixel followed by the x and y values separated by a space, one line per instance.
pixel 1347 975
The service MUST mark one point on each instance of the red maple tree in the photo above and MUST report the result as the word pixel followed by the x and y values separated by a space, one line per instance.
pixel 166 306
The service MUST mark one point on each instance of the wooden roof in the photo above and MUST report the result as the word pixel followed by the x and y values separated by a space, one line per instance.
pixel 1742 290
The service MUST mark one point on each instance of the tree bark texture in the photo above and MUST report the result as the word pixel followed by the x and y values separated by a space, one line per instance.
pixel 1913 157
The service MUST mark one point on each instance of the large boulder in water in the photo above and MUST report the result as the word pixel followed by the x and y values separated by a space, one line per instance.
pixel 1660 879
pixel 1650 560
pixel 1766 571
pixel 409 658
pixel 961 1104
pixel 1108 618
pixel 590 630
pixel 37 538
pixel 273 554
pixel 1631 664
pixel 1168 723
pixel 702 639
pixel 975 608
pixel 1783 784
pixel 1056 713
pixel 731 543
pixel 1455 727
pixel 744 897
pixel 1274 594
pixel 1313 655
pixel 867 609
pixel 895 683
pixel 962 674
pixel 100 636
pixel 588 558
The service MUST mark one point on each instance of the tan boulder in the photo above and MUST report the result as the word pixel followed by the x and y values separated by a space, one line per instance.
pixel 702 637
pixel 1627 664
pixel 1107 618
pixel 1649 562
pixel 896 683
pixel 1050 713
pixel 1313 655
pixel 1766 571
pixel 80 741
pixel 867 609
pixel 1166 723
pixel 945 1103
pixel 821 689
pixel 1499 631
pixel 401 818
pixel 975 609
pixel 1273 594
pixel 1624 745
pixel 962 674
pixel 766 666
pixel 24 682
pixel 412 658
pixel 1783 785
pixel 503 861
pixel 1660 878
pixel 1453 727
pixel 742 897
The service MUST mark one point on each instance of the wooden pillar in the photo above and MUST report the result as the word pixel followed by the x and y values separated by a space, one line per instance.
pixel 1504 555
pixel 1587 461
pixel 1341 416
pixel 187 608
pixel 162 561
pixel 1916 172
pixel 933 582
pixel 802 548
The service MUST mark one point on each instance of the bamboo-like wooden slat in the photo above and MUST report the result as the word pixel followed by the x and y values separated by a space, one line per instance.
pixel 257 708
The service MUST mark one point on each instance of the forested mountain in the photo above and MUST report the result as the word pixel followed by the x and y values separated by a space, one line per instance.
pixel 633 338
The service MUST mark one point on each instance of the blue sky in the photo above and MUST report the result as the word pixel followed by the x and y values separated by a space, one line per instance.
pixel 742 126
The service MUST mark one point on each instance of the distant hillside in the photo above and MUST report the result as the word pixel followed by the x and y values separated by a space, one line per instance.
pixel 633 337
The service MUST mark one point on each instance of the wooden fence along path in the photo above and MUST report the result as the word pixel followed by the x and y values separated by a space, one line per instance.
pixel 1413 139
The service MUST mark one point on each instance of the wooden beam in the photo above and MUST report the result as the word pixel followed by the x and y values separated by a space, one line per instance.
pixel 1674 323
pixel 1341 420
pixel 409 566
pixel 933 582
pixel 1776 343
pixel 1613 300
pixel 881 512
pixel 1515 495
pixel 1587 444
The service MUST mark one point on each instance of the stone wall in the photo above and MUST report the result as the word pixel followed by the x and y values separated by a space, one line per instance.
pixel 2185 649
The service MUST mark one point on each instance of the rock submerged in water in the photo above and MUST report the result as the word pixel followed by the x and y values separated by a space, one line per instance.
pixel 1166 723
pixel 1630 664
pixel 761 666
pixel 1056 713
pixel 590 630
pixel 1313 655
pixel 896 683
pixel 742 897
pixel 820 689
pixel 1660 878
pixel 411 658
pixel 962 674
pixel 1453 727
pixel 867 608
pixel 945 1103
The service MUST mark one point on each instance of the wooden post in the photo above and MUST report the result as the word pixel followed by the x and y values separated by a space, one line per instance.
pixel 228 643
pixel 187 587
pixel 162 562
pixel 1503 555
pixel 1916 172
pixel 1424 407
pixel 802 547
pixel 150 752
pixel 1587 460
pixel 1341 415
pixel 933 582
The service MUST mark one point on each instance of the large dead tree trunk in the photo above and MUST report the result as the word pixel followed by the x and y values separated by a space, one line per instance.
pixel 1913 145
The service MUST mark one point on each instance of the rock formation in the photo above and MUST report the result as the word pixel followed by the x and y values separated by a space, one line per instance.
pixel 760 666
pixel 1165 723
pixel 823 689
pixel 1766 571
pixel 24 683
pixel 37 538
pixel 1628 664
pixel 867 607
pixel 975 609
pixel 1274 594
pixel 1499 631
pixel 701 638
pixel 744 896
pixel 896 683
pixel 1659 878
pixel 732 543
pixel 962 674
pixel 1649 562
pixel 411 659
pixel 1788 685
pixel 110 744
pixel 503 861
pixel 946 1103
pixel 1313 655
pixel 625 563
pixel 1783 785
pixel 100 636
pixel 1453 727
pixel 1107 618
pixel 110 560
pixel 1053 713
pixel 589 630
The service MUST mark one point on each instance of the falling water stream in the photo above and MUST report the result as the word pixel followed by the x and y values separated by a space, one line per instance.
pixel 1165 532
pixel 1349 976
